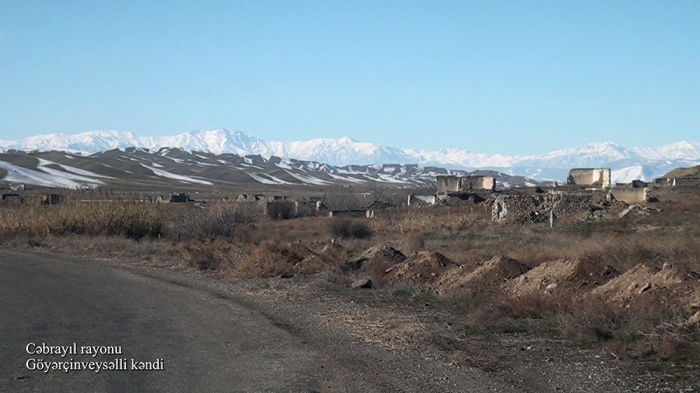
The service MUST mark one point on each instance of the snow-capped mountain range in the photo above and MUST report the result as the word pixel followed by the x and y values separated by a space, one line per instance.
pixel 628 164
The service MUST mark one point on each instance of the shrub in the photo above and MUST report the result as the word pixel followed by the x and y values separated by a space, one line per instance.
pixel 281 210
pixel 346 228
pixel 209 254
pixel 218 219
pixel 305 210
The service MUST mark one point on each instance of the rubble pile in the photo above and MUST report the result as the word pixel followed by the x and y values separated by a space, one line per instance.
pixel 638 210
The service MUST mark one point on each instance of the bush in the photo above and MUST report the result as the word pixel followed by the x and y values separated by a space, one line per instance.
pixel 306 210
pixel 218 219
pixel 281 210
pixel 345 228
pixel 218 254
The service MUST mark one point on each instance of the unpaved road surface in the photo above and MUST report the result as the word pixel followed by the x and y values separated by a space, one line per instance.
pixel 206 344
pixel 208 341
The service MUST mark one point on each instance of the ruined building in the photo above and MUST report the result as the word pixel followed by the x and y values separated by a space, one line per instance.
pixel 589 177
pixel 629 195
pixel 450 184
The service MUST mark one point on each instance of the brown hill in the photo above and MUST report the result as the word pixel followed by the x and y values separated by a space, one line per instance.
pixel 684 172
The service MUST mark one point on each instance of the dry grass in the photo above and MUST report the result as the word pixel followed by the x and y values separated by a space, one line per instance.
pixel 428 219
pixel 132 220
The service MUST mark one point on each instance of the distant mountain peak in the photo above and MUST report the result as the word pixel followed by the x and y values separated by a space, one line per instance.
pixel 636 161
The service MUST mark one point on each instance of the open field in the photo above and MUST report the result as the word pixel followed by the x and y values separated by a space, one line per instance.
pixel 445 280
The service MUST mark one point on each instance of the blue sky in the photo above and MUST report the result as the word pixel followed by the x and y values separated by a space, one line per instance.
pixel 496 77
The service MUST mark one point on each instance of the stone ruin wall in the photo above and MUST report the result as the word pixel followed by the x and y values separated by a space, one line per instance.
pixel 481 182
pixel 414 199
pixel 457 184
pixel 600 177
pixel 536 208
pixel 447 184
pixel 631 196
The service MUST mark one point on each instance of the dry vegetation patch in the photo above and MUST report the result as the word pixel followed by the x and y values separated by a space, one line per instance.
pixel 273 259
pixel 349 228
pixel 128 219
pixel 209 254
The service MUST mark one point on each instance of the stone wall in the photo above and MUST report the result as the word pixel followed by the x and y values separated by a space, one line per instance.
pixel 447 184
pixel 536 208
pixel 631 196
pixel 590 177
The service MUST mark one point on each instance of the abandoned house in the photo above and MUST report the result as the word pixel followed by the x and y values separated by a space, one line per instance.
pixel 48 199
pixel 179 198
pixel 246 198
pixel 589 177
pixel 417 200
pixel 174 198
pixel 451 184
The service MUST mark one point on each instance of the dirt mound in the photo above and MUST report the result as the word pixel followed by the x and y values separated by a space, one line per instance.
pixel 644 285
pixel 328 255
pixel 423 267
pixel 561 277
pixel 384 255
pixel 491 273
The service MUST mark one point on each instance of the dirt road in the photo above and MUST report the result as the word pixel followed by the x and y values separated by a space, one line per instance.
pixel 203 339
